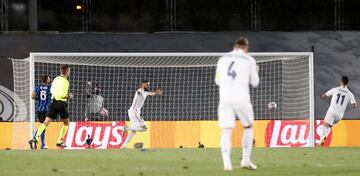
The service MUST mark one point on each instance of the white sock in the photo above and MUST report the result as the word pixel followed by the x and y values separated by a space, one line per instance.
pixel 324 131
pixel 128 138
pixel 247 142
pixel 139 129
pixel 226 146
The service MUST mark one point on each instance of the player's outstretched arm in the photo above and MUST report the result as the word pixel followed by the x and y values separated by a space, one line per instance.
pixel 353 101
pixel 158 91
pixel 88 89
pixel 323 96
pixel 328 93
pixel 354 105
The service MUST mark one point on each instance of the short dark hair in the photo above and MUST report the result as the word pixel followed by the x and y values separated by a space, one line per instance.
pixel 345 80
pixel 64 69
pixel 44 78
pixel 145 81
pixel 242 41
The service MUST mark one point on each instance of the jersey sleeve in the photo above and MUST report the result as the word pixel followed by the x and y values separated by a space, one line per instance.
pixel 254 75
pixel 146 93
pixel 330 92
pixel 352 99
pixel 49 93
pixel 53 85
pixel 37 91
pixel 138 92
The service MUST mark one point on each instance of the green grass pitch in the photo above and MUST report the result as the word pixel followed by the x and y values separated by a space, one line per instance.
pixel 131 162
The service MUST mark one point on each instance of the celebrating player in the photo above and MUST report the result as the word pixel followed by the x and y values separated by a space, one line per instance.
pixel 234 72
pixel 43 96
pixel 340 98
pixel 136 121
pixel 60 95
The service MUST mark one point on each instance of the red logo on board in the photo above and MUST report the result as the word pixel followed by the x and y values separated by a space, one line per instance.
pixel 104 135
pixel 292 133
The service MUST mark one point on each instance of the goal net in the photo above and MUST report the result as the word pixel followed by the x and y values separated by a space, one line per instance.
pixel 190 94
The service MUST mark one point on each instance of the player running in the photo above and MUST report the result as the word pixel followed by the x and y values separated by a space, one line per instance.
pixel 234 73
pixel 60 95
pixel 340 98
pixel 43 97
pixel 136 121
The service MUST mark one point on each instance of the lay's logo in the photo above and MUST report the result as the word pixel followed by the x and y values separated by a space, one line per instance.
pixel 104 135
pixel 292 133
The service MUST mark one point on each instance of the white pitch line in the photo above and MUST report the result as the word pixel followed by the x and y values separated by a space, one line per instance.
pixel 41 170
pixel 336 165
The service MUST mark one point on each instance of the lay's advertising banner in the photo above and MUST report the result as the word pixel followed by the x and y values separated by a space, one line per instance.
pixel 186 134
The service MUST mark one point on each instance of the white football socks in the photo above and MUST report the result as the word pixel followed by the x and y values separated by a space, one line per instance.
pixel 128 138
pixel 132 133
pixel 325 130
pixel 139 129
pixel 226 147
pixel 247 143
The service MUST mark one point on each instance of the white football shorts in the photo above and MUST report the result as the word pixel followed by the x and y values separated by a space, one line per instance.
pixel 135 119
pixel 228 112
pixel 332 117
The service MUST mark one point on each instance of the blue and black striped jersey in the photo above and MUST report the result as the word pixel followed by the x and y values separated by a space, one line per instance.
pixel 44 97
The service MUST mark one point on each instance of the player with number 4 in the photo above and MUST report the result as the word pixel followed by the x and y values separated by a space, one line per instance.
pixel 340 98
pixel 235 72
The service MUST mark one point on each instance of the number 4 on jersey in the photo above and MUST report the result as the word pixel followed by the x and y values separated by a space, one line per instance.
pixel 231 73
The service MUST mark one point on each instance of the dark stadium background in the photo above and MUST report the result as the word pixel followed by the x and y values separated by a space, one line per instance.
pixel 187 15
pixel 331 26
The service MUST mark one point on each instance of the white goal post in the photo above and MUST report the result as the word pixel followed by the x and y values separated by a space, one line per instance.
pixel 190 93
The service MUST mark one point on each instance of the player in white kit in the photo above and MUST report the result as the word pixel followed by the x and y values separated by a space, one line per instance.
pixel 137 123
pixel 235 72
pixel 341 96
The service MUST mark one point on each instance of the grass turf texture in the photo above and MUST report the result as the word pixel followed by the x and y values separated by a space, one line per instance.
pixel 129 162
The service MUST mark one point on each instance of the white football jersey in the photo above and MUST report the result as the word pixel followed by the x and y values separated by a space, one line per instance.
pixel 340 99
pixel 139 99
pixel 235 72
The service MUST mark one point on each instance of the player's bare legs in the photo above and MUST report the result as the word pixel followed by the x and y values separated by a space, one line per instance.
pixel 63 131
pixel 247 142
pixel 226 148
pixel 47 121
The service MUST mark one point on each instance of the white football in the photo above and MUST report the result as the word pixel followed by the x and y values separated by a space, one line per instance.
pixel 272 105
pixel 104 112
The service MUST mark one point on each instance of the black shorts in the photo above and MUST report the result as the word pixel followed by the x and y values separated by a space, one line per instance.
pixel 41 115
pixel 94 116
pixel 58 108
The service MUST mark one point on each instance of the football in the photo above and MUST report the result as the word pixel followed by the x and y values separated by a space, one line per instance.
pixel 272 105
pixel 104 112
